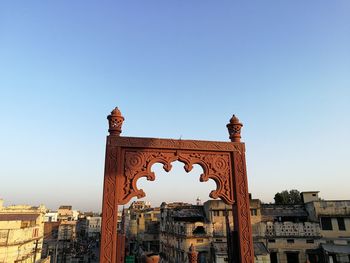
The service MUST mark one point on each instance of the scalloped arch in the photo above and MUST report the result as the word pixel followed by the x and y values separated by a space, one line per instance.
pixel 215 166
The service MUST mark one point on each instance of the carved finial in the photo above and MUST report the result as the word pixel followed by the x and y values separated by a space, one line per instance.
pixel 115 121
pixel 234 129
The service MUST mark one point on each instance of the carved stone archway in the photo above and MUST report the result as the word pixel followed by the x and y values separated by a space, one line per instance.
pixel 130 158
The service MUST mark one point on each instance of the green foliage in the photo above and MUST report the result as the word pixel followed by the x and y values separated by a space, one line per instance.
pixel 288 198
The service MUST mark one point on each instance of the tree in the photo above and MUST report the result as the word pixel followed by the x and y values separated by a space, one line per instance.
pixel 288 198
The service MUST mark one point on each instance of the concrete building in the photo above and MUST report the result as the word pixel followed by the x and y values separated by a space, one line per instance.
pixel 51 216
pixel 181 226
pixel 142 225
pixel 60 235
pixel 139 205
pixel 216 211
pixel 66 213
pixel 94 226
pixel 21 233
pixel 67 231
pixel 171 229
pixel 288 234
pixel 316 231
pixel 333 216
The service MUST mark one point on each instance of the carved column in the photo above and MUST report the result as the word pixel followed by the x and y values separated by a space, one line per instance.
pixel 109 209
pixel 108 246
pixel 241 208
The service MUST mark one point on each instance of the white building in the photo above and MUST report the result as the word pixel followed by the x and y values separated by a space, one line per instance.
pixel 51 216
pixel 94 226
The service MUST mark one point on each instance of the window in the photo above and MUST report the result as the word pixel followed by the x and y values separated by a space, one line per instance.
pixel 313 258
pixel 199 230
pixel 35 232
pixel 292 257
pixel 272 240
pixel 290 241
pixel 341 224
pixel 216 213
pixel 273 257
pixel 253 212
pixel 309 241
pixel 326 223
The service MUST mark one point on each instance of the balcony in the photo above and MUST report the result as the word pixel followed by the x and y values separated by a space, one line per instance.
pixel 289 229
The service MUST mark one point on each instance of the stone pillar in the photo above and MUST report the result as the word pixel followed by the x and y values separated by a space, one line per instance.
pixel 192 254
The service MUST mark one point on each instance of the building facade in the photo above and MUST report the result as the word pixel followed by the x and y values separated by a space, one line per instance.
pixel 333 217
pixel 94 226
pixel 21 233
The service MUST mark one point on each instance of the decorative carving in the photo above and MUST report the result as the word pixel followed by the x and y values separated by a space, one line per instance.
pixel 129 158
pixel 234 129
pixel 109 206
pixel 135 142
pixel 115 121
pixel 243 209
pixel 215 166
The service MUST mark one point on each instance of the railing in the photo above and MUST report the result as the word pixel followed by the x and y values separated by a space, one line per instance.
pixel 289 229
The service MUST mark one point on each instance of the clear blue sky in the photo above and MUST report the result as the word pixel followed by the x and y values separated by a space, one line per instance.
pixel 175 69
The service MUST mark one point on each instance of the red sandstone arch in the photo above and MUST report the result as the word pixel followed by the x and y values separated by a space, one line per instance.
pixel 130 158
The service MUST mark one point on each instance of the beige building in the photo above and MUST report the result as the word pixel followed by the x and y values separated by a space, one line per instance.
pixel 204 227
pixel 316 231
pixel 65 212
pixel 182 225
pixel 333 216
pixel 143 226
pixel 288 234
pixel 21 233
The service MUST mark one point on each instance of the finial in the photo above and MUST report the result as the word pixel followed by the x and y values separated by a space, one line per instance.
pixel 115 121
pixel 234 129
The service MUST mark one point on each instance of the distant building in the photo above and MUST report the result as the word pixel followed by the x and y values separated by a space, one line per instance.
pixel 333 216
pixel 139 205
pixel 21 233
pixel 94 226
pixel 316 231
pixel 60 232
pixel 142 224
pixel 51 216
pixel 65 213
pixel 219 215
pixel 67 231
pixel 288 233
pixel 181 226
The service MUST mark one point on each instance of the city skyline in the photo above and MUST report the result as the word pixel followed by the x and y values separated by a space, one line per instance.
pixel 175 70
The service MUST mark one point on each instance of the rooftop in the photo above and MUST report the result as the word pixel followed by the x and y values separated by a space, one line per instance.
pixel 18 217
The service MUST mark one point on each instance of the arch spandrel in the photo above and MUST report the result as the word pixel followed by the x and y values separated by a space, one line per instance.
pixel 138 163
